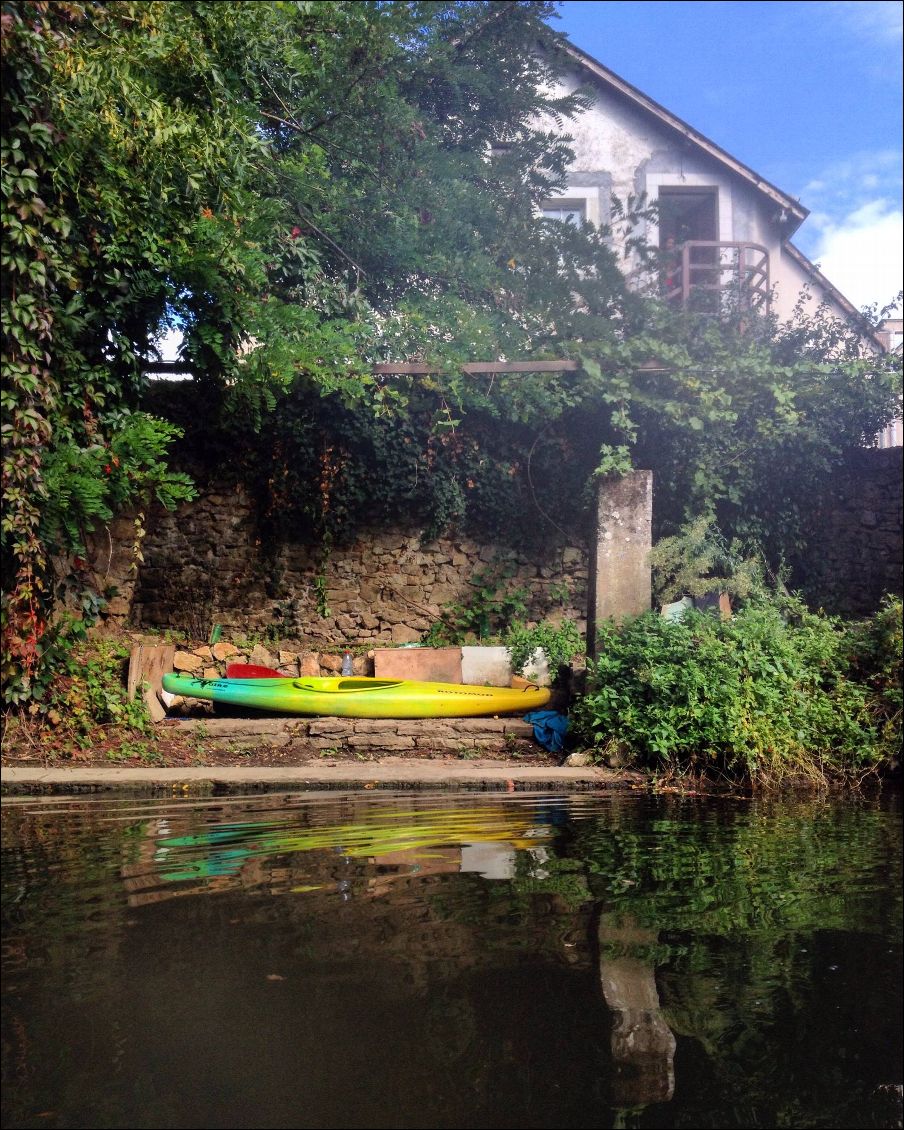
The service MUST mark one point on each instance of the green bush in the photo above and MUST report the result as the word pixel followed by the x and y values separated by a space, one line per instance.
pixel 775 692
pixel 876 656
pixel 81 687
pixel 560 642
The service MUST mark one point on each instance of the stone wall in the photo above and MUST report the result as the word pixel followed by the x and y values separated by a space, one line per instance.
pixel 205 564
pixel 425 737
pixel 856 535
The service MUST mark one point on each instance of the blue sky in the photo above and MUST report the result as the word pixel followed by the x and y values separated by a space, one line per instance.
pixel 808 94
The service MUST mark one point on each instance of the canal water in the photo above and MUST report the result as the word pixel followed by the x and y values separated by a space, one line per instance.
pixel 467 960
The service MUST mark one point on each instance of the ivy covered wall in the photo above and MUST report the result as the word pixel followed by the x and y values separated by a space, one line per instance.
pixel 856 542
pixel 208 563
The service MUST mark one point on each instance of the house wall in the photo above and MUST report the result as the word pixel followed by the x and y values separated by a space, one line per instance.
pixel 622 150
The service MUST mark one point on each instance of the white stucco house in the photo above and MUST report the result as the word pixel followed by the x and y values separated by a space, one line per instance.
pixel 730 228
pixel 724 230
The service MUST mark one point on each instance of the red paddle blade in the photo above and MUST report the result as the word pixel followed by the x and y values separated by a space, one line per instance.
pixel 251 671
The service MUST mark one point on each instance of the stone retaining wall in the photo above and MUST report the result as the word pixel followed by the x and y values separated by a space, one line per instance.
pixel 462 736
pixel 205 564
pixel 856 535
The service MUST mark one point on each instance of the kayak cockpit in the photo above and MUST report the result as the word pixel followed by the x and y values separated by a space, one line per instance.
pixel 345 686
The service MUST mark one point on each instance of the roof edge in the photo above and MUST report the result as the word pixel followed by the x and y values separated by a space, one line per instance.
pixel 797 211
pixel 862 323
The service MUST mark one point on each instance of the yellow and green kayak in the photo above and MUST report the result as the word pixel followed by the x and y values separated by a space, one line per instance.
pixel 361 697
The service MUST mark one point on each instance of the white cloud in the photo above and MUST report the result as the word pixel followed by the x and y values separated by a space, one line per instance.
pixel 847 184
pixel 862 254
pixel 876 21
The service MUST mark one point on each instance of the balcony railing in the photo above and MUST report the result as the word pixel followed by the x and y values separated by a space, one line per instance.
pixel 714 276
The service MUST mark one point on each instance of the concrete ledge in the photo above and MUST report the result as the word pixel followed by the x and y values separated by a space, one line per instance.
pixel 398 773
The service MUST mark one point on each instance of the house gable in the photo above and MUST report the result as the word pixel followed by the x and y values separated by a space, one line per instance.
pixel 628 145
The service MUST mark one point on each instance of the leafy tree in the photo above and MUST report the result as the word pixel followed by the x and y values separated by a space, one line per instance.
pixel 291 185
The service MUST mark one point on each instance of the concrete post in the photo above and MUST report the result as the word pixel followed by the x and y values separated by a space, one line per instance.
pixel 619 582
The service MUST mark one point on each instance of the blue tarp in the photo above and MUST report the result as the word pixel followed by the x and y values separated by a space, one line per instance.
pixel 550 728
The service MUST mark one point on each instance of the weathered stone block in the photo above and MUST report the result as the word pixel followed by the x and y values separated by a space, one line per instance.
pixel 445 744
pixel 185 661
pixel 620 580
pixel 327 727
pixel 471 726
pixel 261 657
pixel 374 725
pixel 401 633
pixel 379 741
pixel 445 594
pixel 486 666
pixel 418 727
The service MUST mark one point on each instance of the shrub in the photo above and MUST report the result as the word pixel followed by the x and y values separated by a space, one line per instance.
pixel 560 643
pixel 876 657
pixel 80 687
pixel 771 693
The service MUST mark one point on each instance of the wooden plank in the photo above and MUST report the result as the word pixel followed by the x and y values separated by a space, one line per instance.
pixel 413 368
pixel 419 368
pixel 148 663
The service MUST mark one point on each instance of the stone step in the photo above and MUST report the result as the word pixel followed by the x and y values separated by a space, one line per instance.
pixel 372 733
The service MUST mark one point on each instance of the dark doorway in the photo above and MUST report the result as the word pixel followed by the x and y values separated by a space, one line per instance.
pixel 687 214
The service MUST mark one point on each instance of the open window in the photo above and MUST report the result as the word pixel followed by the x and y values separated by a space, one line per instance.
pixel 687 214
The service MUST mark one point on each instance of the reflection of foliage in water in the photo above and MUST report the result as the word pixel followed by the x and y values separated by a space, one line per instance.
pixel 32 853
pixel 552 875
pixel 766 869
pixel 774 926
pixel 731 894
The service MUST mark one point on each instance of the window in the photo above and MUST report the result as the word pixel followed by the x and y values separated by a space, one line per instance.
pixel 565 211
pixel 687 214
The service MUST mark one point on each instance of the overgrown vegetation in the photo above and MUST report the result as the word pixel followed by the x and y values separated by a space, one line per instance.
pixel 495 613
pixel 305 190
pixel 84 693
pixel 775 693
pixel 491 609
pixel 560 641
pixel 698 561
